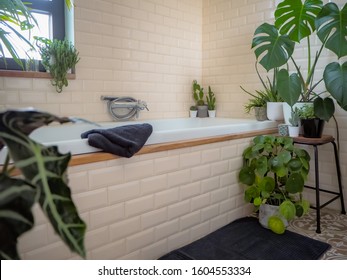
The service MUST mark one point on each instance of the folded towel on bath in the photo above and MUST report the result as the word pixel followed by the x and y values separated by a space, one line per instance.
pixel 122 141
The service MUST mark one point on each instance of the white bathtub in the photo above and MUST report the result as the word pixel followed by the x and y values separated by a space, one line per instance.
pixel 67 136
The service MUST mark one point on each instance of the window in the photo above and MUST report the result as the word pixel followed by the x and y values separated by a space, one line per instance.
pixel 50 18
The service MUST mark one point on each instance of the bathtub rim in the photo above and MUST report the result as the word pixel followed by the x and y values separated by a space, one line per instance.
pixel 95 157
pixel 153 148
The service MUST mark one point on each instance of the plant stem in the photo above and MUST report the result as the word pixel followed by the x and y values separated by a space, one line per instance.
pixel 309 57
pixel 303 97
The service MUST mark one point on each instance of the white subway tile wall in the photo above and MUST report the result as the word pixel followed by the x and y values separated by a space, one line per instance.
pixel 152 50
pixel 129 217
pixel 228 62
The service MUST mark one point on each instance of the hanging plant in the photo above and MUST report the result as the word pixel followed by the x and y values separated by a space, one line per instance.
pixel 58 57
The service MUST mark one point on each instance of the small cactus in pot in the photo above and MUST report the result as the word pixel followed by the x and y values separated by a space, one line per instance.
pixel 198 95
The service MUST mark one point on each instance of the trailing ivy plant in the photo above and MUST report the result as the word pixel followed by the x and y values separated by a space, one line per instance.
pixel 44 181
pixel 58 57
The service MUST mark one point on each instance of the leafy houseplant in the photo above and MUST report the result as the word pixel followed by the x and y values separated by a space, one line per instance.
pixel 44 181
pixel 261 98
pixel 294 121
pixel 211 103
pixel 198 95
pixel 16 12
pixel 193 110
pixel 58 56
pixel 295 21
pixel 274 171
pixel 312 125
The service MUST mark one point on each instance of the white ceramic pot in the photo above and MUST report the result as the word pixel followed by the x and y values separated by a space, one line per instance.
pixel 193 114
pixel 293 131
pixel 266 211
pixel 212 113
pixel 274 111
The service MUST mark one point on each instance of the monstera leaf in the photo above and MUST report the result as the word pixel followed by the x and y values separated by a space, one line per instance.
pixel 324 108
pixel 289 87
pixel 271 48
pixel 331 25
pixel 45 169
pixel 297 19
pixel 335 78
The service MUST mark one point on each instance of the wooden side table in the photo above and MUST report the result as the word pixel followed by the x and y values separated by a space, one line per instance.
pixel 315 142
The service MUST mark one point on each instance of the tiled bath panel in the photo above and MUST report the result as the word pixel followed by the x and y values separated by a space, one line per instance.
pixel 146 206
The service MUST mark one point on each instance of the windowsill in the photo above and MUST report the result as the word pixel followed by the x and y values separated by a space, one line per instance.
pixel 31 74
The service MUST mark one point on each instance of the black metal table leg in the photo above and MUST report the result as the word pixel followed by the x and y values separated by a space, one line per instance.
pixel 315 142
pixel 338 170
pixel 317 187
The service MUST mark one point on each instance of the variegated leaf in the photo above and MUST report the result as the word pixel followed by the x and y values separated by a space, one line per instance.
pixel 16 200
pixel 45 168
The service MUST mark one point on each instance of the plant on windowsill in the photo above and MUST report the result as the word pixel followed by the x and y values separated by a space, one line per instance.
pixel 16 12
pixel 211 103
pixel 58 57
pixel 296 21
pixel 274 172
pixel 266 102
pixel 193 111
pixel 43 181
pixel 198 95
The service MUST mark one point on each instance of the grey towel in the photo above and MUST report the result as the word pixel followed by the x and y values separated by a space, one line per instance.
pixel 122 141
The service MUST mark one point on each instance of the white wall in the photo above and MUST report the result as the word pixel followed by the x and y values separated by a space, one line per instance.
pixel 148 205
pixel 152 50
pixel 148 49
pixel 228 62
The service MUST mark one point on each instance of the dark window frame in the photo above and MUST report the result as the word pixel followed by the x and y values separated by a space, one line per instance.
pixel 57 9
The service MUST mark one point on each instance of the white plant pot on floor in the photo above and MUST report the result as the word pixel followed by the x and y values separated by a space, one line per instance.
pixel 266 211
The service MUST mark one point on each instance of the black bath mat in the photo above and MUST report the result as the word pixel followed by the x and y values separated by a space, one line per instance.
pixel 246 239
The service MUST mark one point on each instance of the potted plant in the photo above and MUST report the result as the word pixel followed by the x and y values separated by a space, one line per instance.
pixel 295 21
pixel 258 104
pixel 193 111
pixel 211 103
pixel 274 172
pixel 17 12
pixel 58 57
pixel 198 95
pixel 266 99
pixel 44 181
pixel 294 120
pixel 313 120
